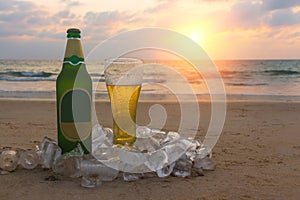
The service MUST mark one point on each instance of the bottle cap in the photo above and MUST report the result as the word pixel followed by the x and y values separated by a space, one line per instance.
pixel 73 33
pixel 73 30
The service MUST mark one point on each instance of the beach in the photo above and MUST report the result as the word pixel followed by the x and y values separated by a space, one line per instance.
pixel 257 155
pixel 218 78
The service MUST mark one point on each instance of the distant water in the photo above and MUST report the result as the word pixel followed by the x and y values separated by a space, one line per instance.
pixel 36 78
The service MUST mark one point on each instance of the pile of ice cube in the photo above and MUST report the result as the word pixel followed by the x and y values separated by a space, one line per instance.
pixel 154 151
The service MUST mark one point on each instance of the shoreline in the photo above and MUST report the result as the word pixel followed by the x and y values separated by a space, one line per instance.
pixel 183 98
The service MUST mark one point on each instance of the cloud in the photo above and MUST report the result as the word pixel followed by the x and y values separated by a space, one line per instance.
pixel 28 19
pixel 20 18
pixel 100 25
pixel 255 14
pixel 10 31
pixel 71 3
pixel 15 5
pixel 164 5
pixel 102 18
pixel 158 8
pixel 5 5
pixel 31 26
pixel 212 0
pixel 23 18
pixel 64 14
pixel 12 17
pixel 51 34
pixel 13 11
pixel 242 15
pixel 285 17
pixel 279 4
pixel 246 14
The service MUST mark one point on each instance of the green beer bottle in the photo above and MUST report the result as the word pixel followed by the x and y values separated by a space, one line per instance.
pixel 74 97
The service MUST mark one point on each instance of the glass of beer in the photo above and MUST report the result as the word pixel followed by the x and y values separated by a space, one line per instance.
pixel 123 77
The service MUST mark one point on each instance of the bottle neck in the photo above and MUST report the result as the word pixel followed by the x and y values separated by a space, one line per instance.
pixel 74 54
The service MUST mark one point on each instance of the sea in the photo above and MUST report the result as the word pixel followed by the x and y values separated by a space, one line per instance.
pixel 272 79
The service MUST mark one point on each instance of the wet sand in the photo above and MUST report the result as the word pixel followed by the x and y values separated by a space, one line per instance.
pixel 257 155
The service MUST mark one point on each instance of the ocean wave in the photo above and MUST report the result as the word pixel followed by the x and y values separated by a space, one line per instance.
pixel 26 74
pixel 247 84
pixel 272 72
pixel 234 74
pixel 101 79
pixel 96 74
pixel 23 79
pixel 281 72
pixel 225 72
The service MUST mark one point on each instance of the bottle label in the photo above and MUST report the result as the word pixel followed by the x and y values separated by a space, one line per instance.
pixel 75 114
pixel 74 60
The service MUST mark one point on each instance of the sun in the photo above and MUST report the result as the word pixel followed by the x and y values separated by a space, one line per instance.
pixel 194 32
pixel 195 36
pixel 199 34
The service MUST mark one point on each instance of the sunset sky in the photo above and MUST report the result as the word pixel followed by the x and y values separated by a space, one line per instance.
pixel 226 29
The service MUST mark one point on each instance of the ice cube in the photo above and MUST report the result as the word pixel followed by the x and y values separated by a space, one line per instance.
pixel 158 135
pixel 29 159
pixel 192 150
pixel 157 131
pixel 77 151
pixel 183 163
pixel 181 173
pixel 205 163
pixel 107 153
pixel 9 160
pixel 143 132
pixel 49 152
pixel 93 168
pixel 165 171
pixel 171 137
pixel 126 167
pixel 101 137
pixel 157 160
pixel 204 151
pixel 197 143
pixel 109 134
pixel 45 141
pixel 176 149
pixel 97 131
pixel 132 157
pixel 131 176
pixel 146 144
pixel 183 167
pixel 197 172
pixel 68 166
pixel 132 160
pixel 90 181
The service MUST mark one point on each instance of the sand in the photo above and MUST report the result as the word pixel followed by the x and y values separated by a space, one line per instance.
pixel 257 156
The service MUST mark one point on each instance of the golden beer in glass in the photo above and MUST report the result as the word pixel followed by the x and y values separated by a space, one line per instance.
pixel 123 77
